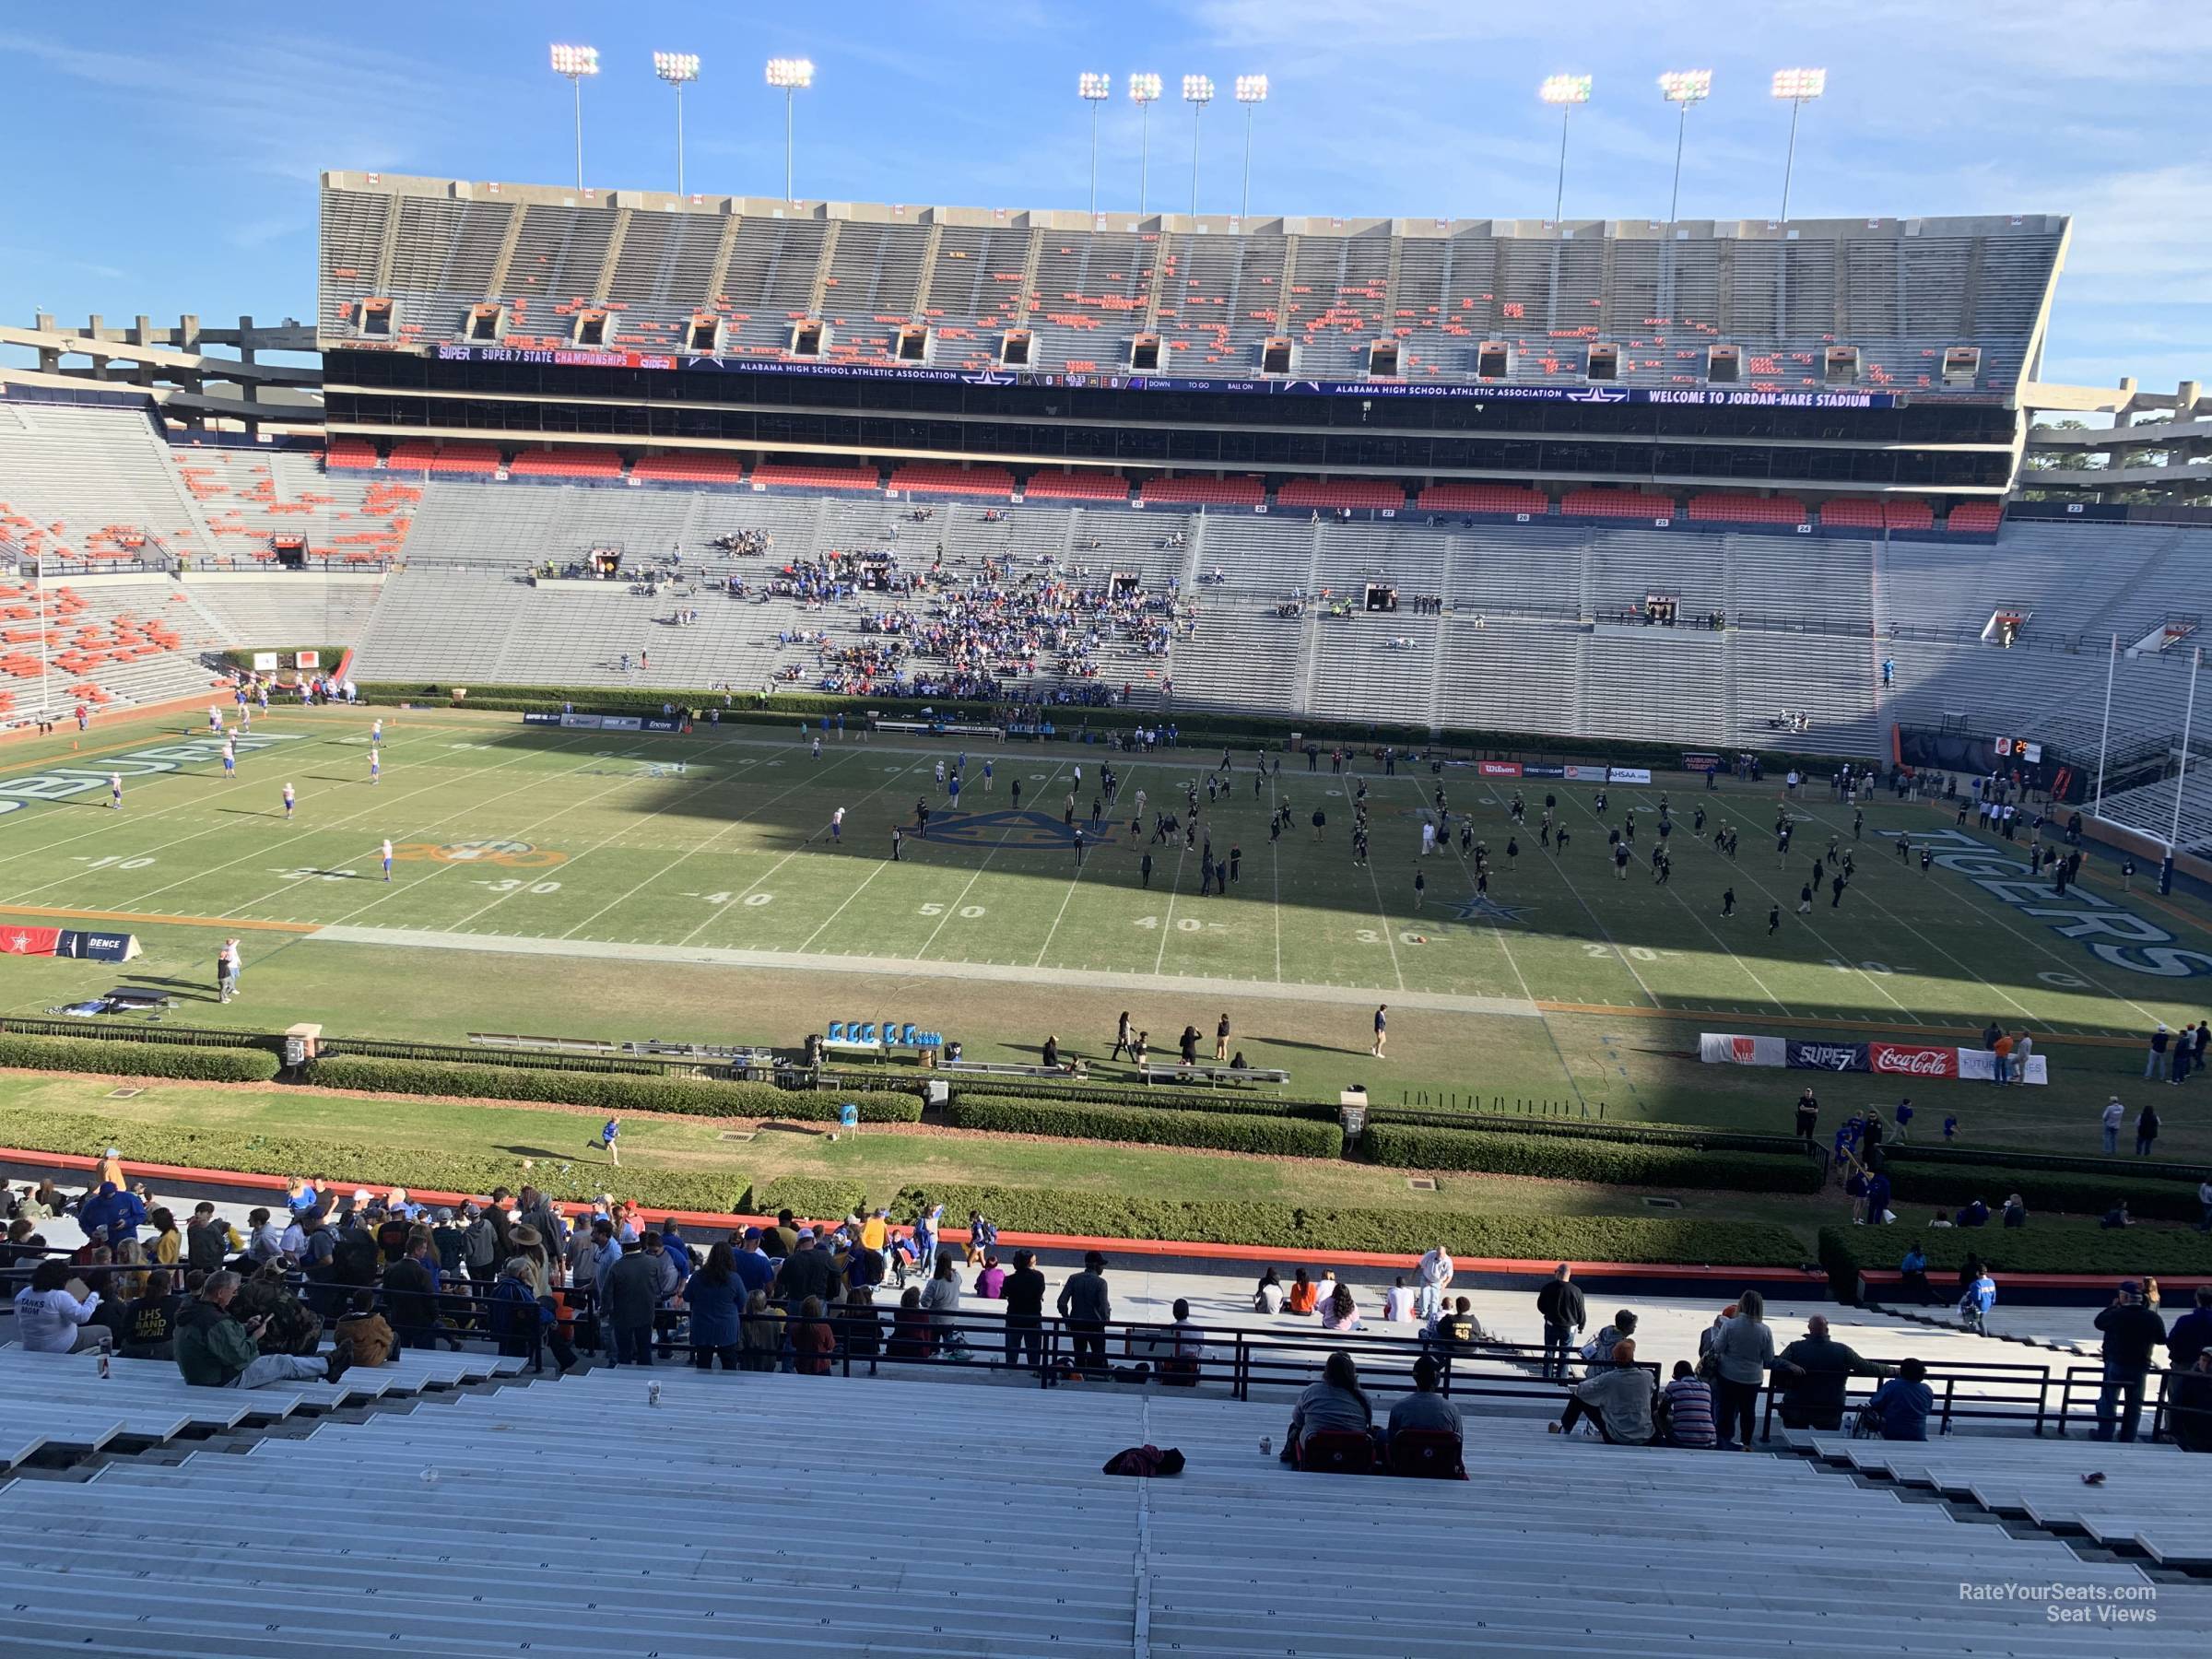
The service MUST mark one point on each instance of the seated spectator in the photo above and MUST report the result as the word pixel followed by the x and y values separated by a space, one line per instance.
pixel 760 1334
pixel 371 1335
pixel 1425 1411
pixel 1397 1301
pixel 2117 1217
pixel 2016 1211
pixel 50 1321
pixel 1596 1350
pixel 1819 1368
pixel 859 1327
pixel 1305 1295
pixel 992 1281
pixel 1975 1214
pixel 1902 1405
pixel 215 1350
pixel 1617 1399
pixel 911 1335
pixel 1340 1312
pixel 282 1324
pixel 1688 1405
pixel 149 1324
pixel 1456 1330
pixel 2188 1403
pixel 1335 1405
pixel 812 1341
pixel 1268 1297
pixel 1913 1276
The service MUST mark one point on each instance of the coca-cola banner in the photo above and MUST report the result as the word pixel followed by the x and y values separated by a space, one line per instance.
pixel 1828 1056
pixel 1910 1060
pixel 1500 769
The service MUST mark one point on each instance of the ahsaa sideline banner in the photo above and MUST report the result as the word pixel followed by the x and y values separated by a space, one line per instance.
pixel 69 942
pixel 1886 1059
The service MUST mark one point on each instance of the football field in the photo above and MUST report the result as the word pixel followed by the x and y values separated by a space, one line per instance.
pixel 617 885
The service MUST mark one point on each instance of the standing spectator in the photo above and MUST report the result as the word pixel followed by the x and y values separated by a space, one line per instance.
pixel 982 1236
pixel 2192 1333
pixel 1024 1312
pixel 2154 1063
pixel 1808 1114
pixel 1085 1304
pixel 410 1294
pixel 2130 1331
pixel 2204 1197
pixel 715 1293
pixel 941 1300
pixel 2147 1129
pixel 1915 1269
pixel 1382 1026
pixel 1980 1296
pixel 631 1291
pixel 1688 1403
pixel 1902 1404
pixel 1741 1352
pixel 1436 1270
pixel 2113 1113
pixel 1560 1304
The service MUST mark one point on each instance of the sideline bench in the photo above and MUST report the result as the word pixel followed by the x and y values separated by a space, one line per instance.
pixel 1007 1068
pixel 1176 1072
pixel 941 728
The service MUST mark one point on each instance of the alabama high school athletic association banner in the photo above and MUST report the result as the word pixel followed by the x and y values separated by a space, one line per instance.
pixel 1886 1059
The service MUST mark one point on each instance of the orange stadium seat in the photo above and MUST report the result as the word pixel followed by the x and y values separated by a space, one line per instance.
pixel 1076 487
pixel 803 476
pixel 685 468
pixel 1617 504
pixel 1740 507
pixel 1344 492
pixel 996 482
pixel 1482 498
pixel 1245 492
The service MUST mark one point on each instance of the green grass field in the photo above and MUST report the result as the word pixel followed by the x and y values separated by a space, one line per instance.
pixel 579 883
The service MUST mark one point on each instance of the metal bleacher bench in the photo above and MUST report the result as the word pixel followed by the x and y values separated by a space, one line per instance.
pixel 1006 1069
pixel 1174 1071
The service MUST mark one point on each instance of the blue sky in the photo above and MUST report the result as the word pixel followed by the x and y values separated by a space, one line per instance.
pixel 166 155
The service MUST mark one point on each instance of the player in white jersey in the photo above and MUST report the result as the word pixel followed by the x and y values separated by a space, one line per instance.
pixel 837 825
pixel 288 803
pixel 229 759
pixel 115 790
pixel 214 720
pixel 376 767
pixel 376 732
pixel 387 858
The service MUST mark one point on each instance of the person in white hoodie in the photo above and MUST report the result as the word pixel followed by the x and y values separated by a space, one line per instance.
pixel 50 1321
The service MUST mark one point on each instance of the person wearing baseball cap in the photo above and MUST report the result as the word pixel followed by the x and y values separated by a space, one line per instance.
pixel 2130 1331
pixel 1086 1305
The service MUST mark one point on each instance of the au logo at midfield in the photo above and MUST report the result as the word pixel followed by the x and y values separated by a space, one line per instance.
pixel 1482 907
pixel 1012 831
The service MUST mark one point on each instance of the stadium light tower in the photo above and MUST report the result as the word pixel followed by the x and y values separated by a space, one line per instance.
pixel 1566 92
pixel 791 76
pixel 1094 90
pixel 1197 91
pixel 1800 86
pixel 574 63
pixel 1252 93
pixel 677 68
pixel 1683 87
pixel 1143 92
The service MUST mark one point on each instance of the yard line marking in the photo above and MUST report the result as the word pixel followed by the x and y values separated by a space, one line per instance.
pixel 1390 928
pixel 297 832
pixel 881 865
pixel 161 917
pixel 952 909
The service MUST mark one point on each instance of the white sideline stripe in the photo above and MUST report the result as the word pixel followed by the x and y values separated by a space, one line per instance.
pixel 909 968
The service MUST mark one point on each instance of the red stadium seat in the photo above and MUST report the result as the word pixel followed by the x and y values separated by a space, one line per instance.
pixel 994 482
pixel 1483 498
pixel 1427 1455
pixel 1076 487
pixel 1740 507
pixel 1314 492
pixel 566 463
pixel 803 476
pixel 1211 492
pixel 1336 1452
pixel 1975 518
pixel 684 468
pixel 1617 504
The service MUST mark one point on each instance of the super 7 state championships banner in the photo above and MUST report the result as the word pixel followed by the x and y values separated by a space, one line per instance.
pixel 1888 1059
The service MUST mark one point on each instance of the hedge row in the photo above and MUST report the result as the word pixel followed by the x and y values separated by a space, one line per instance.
pixel 2046 1192
pixel 1964 1158
pixel 1848 1250
pixel 1137 1096
pixel 1227 1132
pixel 348 1163
pixel 138 1059
pixel 604 1091
pixel 1613 1163
pixel 1291 1228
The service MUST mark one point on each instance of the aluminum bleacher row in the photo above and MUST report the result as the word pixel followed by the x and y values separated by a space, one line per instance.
pixel 981 1523
pixel 411 259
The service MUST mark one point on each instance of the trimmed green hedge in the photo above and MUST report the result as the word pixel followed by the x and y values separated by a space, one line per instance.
pixel 1227 1132
pixel 811 1199
pixel 138 1059
pixel 350 1162
pixel 2046 1191
pixel 2122 1254
pixel 1137 1096
pixel 1293 1227
pixel 1613 1163
pixel 1965 1159
pixel 605 1092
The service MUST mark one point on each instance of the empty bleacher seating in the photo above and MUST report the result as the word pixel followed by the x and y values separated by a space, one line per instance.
pixel 918 478
pixel 806 475
pixel 1483 498
pixel 1976 518
pixel 1076 487
pixel 1616 503
pixel 690 467
pixel 1737 507
pixel 566 463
